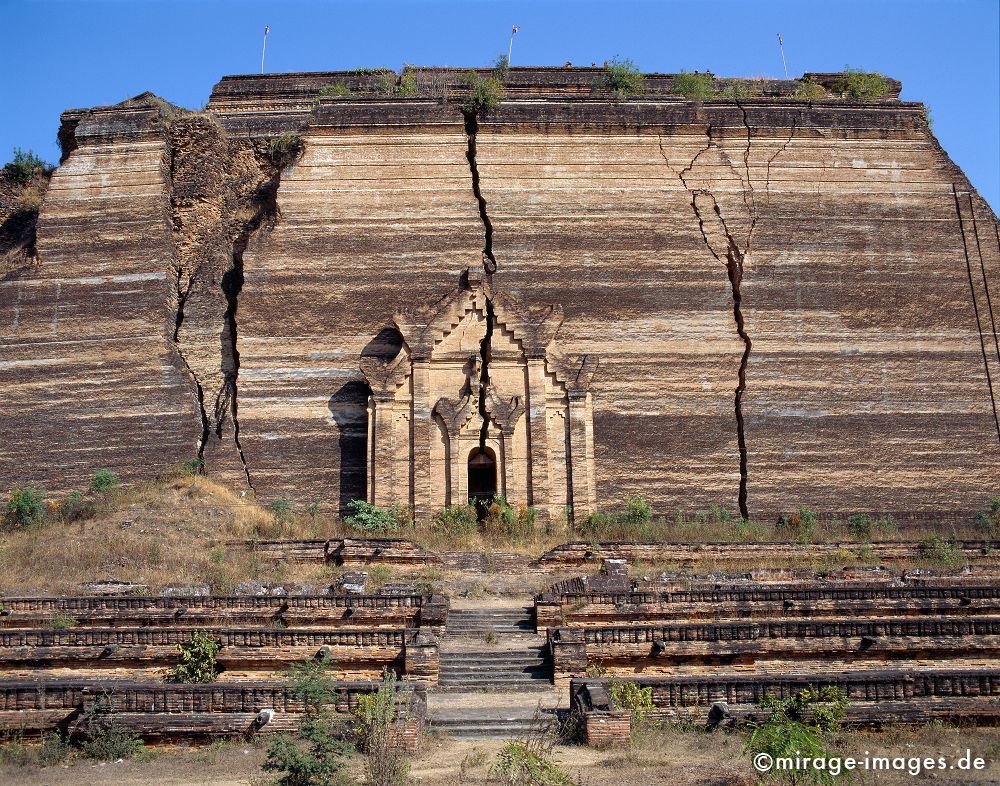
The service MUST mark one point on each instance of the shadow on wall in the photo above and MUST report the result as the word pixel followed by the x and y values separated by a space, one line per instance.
pixel 349 409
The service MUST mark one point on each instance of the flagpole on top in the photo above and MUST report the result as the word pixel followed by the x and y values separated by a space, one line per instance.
pixel 510 46
pixel 781 46
pixel 264 48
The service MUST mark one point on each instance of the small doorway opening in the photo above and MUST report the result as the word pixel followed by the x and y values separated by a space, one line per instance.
pixel 482 478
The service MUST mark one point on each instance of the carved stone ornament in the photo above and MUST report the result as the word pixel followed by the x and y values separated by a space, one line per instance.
pixel 479 378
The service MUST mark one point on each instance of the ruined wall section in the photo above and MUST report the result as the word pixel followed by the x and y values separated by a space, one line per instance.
pixel 866 387
pixel 377 214
pixel 856 372
pixel 90 375
pixel 589 212
pixel 223 189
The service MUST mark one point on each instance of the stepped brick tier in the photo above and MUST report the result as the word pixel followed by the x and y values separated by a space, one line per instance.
pixel 345 551
pixel 426 612
pixel 166 711
pixel 859 619
pixel 607 610
pixel 151 652
pixel 574 603
pixel 671 648
pixel 876 697
pixel 575 554
pixel 758 302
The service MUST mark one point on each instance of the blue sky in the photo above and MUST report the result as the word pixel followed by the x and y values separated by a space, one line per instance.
pixel 57 55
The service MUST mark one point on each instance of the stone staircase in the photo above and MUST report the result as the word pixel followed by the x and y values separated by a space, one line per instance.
pixel 495 678
pixel 465 623
pixel 505 722
pixel 490 670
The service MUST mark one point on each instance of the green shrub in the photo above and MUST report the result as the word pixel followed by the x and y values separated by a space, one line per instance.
pixel 198 659
pixel 313 508
pixel 943 552
pixel 638 514
pixel 863 85
pixel 988 521
pixel 620 78
pixel 104 482
pixel 863 527
pixel 808 90
pixel 61 622
pixel 195 466
pixel 50 750
pixel 457 520
pixel 376 712
pixel 719 514
pixel 526 763
pixel 501 67
pixel 694 86
pixel 283 150
pixel 75 507
pixel 407 84
pixel 25 506
pixel 104 738
pixel 502 522
pixel 485 93
pixel 373 519
pixel 801 525
pixel 281 508
pixel 24 167
pixel 797 727
pixel 735 88
pixel 746 529
pixel 316 755
pixel 630 696
pixel 338 88
pixel 635 523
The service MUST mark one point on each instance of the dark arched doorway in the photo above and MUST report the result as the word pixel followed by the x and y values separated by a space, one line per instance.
pixel 482 476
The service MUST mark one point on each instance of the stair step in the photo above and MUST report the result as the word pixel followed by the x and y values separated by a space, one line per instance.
pixel 482 674
pixel 501 656
pixel 534 663
pixel 501 679
pixel 486 732
pixel 520 676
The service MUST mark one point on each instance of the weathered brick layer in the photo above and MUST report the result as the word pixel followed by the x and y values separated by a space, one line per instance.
pixel 864 269
pixel 89 372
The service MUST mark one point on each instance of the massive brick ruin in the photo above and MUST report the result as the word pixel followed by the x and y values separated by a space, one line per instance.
pixel 757 302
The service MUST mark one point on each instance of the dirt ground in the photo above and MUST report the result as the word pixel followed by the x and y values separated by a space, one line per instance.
pixel 660 757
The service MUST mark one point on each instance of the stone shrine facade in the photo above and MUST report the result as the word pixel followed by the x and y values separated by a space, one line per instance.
pixel 478 401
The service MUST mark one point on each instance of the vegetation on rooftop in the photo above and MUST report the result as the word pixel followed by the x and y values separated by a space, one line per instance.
pixel 621 78
pixel 862 85
pixel 695 86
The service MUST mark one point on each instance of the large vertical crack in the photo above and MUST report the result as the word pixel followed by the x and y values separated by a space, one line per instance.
pixel 266 201
pixel 749 197
pixel 183 291
pixel 733 262
pixel 228 398
pixel 222 191
pixel 975 308
pixel 489 266
pixel 484 379
pixel 726 250
pixel 986 281
pixel 471 130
